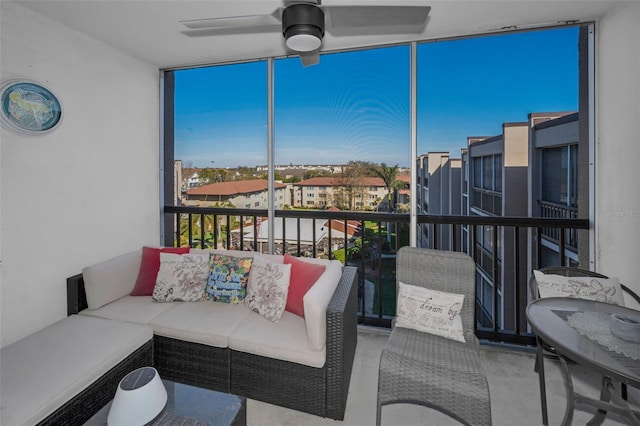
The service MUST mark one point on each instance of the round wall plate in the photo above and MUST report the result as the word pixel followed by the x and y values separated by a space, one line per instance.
pixel 28 108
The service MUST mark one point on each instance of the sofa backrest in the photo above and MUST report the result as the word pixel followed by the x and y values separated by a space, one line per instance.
pixel 112 279
pixel 317 300
pixel 115 278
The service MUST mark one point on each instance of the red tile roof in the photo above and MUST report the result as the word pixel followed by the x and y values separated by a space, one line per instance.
pixel 352 226
pixel 233 187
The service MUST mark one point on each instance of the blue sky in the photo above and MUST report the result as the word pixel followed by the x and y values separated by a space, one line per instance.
pixel 355 105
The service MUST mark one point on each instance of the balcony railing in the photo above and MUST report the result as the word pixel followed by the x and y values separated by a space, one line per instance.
pixel 559 211
pixel 489 201
pixel 369 241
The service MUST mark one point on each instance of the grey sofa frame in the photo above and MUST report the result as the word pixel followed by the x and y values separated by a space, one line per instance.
pixel 320 391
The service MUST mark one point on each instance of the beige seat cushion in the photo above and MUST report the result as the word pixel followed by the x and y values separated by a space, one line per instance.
pixel 205 322
pixel 285 340
pixel 136 309
pixel 48 368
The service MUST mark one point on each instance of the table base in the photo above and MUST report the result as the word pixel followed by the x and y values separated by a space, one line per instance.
pixel 608 391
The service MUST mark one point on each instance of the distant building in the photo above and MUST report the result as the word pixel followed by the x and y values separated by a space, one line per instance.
pixel 345 193
pixel 243 194
pixel 403 195
pixel 559 180
pixel 438 193
pixel 498 187
pixel 331 168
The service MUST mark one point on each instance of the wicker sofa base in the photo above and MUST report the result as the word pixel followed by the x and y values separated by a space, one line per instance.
pixel 290 385
pixel 320 391
pixel 88 402
pixel 192 363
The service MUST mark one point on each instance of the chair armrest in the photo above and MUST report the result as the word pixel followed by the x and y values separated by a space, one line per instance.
pixel 631 293
pixel 76 295
pixel 342 338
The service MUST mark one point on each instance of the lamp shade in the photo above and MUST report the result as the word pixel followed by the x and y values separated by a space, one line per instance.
pixel 303 27
pixel 140 397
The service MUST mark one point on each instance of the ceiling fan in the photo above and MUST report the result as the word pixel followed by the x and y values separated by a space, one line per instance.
pixel 303 22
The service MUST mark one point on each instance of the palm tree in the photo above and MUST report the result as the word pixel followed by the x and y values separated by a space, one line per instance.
pixel 389 174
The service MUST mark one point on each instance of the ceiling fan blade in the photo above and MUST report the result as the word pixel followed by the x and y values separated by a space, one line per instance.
pixel 248 22
pixel 207 32
pixel 401 19
pixel 309 58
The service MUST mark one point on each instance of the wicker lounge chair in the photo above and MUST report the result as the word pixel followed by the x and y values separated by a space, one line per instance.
pixel 542 347
pixel 433 371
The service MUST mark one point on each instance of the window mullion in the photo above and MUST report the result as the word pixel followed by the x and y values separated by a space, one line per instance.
pixel 270 158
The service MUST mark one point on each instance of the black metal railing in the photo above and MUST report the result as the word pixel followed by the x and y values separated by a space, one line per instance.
pixel 559 211
pixel 369 242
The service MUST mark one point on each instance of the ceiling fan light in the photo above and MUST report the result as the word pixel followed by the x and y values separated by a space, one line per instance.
pixel 303 27
pixel 303 42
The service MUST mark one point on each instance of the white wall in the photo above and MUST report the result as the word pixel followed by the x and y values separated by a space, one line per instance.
pixel 617 206
pixel 89 190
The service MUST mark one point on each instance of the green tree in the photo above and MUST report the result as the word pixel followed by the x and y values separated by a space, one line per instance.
pixel 211 175
pixel 351 182
pixel 389 174
pixel 315 173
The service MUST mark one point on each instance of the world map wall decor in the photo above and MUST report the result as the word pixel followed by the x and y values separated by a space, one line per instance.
pixel 28 108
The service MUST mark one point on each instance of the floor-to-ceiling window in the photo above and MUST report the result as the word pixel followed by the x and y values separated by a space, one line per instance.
pixel 340 133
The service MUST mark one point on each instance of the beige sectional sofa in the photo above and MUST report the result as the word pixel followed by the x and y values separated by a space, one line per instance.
pixel 299 363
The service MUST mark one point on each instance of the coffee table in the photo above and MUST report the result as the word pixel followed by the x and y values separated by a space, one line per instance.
pixel 578 329
pixel 192 406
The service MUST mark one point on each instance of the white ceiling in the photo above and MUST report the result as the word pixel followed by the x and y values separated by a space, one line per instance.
pixel 150 29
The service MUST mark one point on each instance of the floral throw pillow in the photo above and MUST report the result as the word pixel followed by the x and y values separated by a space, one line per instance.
pixel 228 276
pixel 431 311
pixel 268 288
pixel 605 290
pixel 181 278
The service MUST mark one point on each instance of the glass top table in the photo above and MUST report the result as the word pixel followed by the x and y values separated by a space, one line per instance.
pixel 191 406
pixel 578 329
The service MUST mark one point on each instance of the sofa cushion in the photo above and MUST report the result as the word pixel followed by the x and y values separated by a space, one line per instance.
pixel 46 369
pixel 135 309
pixel 285 340
pixel 149 266
pixel 267 288
pixel 203 322
pixel 228 276
pixel 110 280
pixel 316 302
pixel 303 275
pixel 181 277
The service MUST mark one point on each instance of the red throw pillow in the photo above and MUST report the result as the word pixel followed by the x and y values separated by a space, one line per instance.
pixel 303 277
pixel 149 267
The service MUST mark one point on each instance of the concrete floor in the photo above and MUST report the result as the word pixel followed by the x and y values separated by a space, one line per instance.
pixel 515 398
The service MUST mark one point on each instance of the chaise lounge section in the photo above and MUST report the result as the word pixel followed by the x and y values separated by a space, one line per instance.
pixel 67 371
